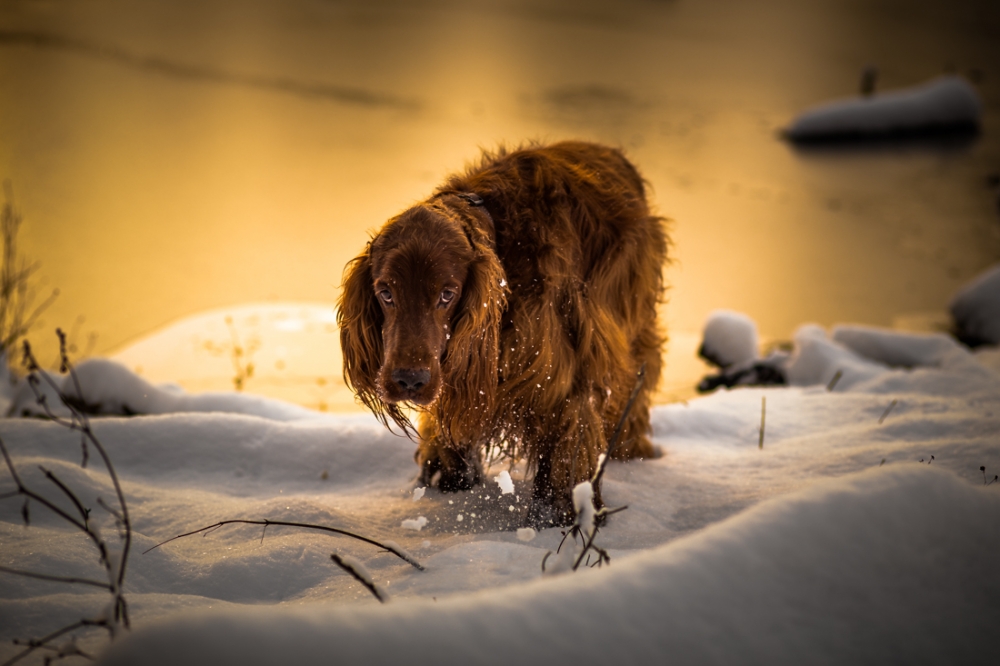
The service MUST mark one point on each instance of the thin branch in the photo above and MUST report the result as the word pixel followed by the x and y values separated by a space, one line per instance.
pixel 395 550
pixel 80 422
pixel 84 513
pixel 836 378
pixel 40 643
pixel 56 579
pixel 360 575
pixel 763 413
pixel 26 492
pixel 599 519
pixel 886 412
pixel 117 516
pixel 613 444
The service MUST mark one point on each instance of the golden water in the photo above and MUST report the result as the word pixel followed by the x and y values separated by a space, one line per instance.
pixel 194 154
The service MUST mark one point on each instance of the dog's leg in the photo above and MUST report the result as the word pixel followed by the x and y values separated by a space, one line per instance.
pixel 634 442
pixel 646 351
pixel 448 466
pixel 565 447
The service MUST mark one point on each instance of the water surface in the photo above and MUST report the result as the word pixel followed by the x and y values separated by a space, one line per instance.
pixel 178 156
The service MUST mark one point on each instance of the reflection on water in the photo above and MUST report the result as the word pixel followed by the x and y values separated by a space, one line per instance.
pixel 190 155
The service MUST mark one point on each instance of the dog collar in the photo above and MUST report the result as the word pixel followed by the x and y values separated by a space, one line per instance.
pixel 473 198
pixel 477 201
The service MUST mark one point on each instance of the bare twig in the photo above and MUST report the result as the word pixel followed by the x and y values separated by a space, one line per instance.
pixel 18 312
pixel 836 378
pixel 84 513
pixel 886 412
pixel 42 643
pixel 56 579
pixel 114 566
pixel 391 548
pixel 763 413
pixel 996 477
pixel 80 422
pixel 613 443
pixel 361 575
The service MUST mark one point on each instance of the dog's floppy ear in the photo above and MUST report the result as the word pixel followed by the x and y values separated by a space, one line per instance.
pixel 472 359
pixel 360 319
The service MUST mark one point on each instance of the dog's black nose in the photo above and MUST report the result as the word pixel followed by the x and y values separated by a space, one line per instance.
pixel 410 379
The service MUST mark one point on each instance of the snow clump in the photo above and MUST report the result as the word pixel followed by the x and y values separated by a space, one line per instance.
pixel 976 310
pixel 415 523
pixel 504 481
pixel 730 338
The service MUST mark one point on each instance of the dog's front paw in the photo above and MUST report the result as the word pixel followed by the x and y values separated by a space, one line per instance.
pixel 451 475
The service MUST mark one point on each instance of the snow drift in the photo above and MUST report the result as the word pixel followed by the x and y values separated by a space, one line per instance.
pixel 830 544
pixel 885 566
pixel 945 103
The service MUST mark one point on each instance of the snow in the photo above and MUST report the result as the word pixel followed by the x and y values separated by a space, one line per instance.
pixel 976 309
pixel 730 338
pixel 415 523
pixel 947 102
pixel 504 481
pixel 583 504
pixel 830 544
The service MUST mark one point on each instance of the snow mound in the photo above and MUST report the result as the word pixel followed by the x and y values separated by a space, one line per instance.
pixel 856 355
pixel 822 576
pixel 828 543
pixel 948 102
pixel 976 309
pixel 108 387
pixel 729 338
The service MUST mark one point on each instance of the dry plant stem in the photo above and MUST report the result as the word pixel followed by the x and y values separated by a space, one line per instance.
pixel 833 381
pixel 600 517
pixel 886 412
pixel 368 584
pixel 763 413
pixel 588 544
pixel 56 579
pixel 30 494
pixel 613 444
pixel 406 557
pixel 40 643
pixel 17 315
pixel 81 423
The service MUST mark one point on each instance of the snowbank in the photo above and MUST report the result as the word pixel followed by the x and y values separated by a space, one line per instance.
pixel 975 309
pixel 108 387
pixel 887 566
pixel 830 544
pixel 948 102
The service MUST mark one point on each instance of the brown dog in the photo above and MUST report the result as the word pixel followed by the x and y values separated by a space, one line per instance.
pixel 514 308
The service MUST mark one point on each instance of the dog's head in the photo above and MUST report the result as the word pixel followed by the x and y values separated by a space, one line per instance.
pixel 419 314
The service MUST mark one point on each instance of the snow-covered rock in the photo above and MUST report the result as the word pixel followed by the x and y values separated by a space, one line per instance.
pixel 948 102
pixel 730 338
pixel 976 309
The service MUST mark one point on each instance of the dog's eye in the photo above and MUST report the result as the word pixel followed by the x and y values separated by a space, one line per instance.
pixel 447 296
pixel 386 296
